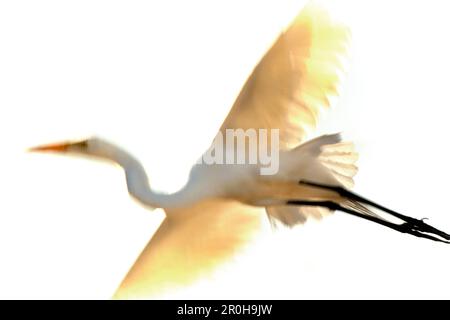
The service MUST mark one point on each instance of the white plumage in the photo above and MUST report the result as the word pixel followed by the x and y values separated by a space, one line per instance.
pixel 221 207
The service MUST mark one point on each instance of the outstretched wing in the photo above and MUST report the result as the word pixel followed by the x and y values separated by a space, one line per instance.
pixel 190 243
pixel 294 80
pixel 286 91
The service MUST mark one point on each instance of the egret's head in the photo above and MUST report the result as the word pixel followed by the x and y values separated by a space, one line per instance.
pixel 94 147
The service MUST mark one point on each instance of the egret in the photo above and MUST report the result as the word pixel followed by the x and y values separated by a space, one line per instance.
pixel 219 208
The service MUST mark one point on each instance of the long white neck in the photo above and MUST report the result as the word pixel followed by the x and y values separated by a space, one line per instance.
pixel 139 187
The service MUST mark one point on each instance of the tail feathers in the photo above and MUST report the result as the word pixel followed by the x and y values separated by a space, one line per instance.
pixel 290 216
pixel 332 161
pixel 340 158
pixel 287 216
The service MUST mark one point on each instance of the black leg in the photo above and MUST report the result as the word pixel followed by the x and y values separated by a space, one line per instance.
pixel 353 196
pixel 412 226
pixel 420 224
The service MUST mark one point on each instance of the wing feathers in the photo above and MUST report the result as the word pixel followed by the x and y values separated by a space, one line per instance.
pixel 189 244
pixel 292 83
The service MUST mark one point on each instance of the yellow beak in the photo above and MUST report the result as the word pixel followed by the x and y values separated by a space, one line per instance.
pixel 57 147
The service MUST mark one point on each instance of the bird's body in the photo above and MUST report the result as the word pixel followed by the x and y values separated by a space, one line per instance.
pixel 222 205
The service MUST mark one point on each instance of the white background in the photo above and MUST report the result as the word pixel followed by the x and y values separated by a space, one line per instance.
pixel 158 78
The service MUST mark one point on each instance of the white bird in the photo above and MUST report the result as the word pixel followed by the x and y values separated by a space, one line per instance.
pixel 219 208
